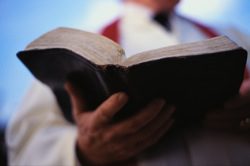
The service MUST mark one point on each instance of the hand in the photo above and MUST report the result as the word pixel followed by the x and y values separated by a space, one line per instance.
pixel 235 114
pixel 101 142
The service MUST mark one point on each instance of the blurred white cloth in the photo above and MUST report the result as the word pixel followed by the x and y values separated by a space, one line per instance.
pixel 139 32
pixel 38 134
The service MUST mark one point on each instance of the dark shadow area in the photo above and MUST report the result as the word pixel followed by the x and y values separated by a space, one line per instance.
pixel 3 154
pixel 3 150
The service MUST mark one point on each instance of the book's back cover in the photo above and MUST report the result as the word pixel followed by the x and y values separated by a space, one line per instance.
pixel 194 84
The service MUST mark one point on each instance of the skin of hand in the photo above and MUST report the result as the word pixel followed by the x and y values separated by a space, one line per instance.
pixel 103 143
pixel 235 114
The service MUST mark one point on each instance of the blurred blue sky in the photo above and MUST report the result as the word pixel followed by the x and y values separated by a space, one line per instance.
pixel 22 21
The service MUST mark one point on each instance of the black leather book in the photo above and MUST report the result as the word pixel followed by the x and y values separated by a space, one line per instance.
pixel 195 77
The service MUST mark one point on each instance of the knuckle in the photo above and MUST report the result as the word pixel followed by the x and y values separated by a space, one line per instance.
pixel 85 129
pixel 86 126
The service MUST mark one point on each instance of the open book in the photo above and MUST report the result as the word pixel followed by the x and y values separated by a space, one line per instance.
pixel 194 77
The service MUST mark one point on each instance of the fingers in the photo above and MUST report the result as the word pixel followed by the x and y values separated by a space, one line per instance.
pixel 150 114
pixel 124 139
pixel 135 145
pixel 156 128
pixel 105 112
pixel 163 118
pixel 154 137
pixel 149 134
pixel 78 104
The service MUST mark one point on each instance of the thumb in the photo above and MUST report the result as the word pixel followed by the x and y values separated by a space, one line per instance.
pixel 77 102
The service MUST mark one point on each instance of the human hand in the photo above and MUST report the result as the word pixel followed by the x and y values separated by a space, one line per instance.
pixel 102 143
pixel 235 114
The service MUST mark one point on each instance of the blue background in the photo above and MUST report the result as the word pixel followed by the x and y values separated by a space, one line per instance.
pixel 22 21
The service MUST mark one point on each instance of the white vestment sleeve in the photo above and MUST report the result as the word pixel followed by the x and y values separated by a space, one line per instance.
pixel 38 134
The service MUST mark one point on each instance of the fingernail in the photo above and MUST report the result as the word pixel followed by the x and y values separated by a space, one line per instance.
pixel 121 96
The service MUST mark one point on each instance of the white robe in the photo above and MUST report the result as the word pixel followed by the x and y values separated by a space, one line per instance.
pixel 38 134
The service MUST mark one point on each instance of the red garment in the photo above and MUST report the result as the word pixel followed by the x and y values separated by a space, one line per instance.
pixel 112 31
